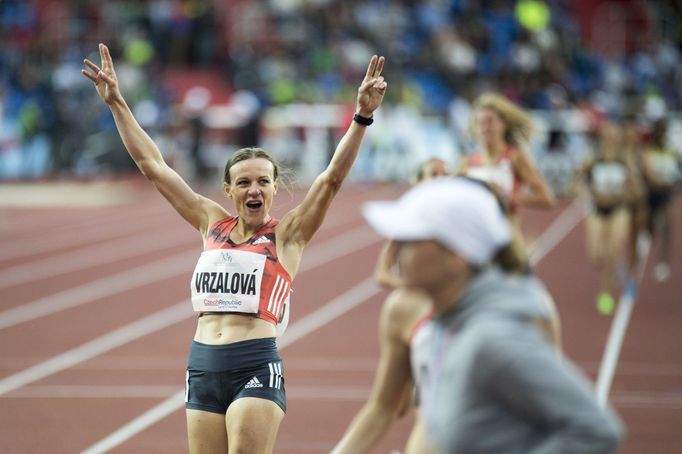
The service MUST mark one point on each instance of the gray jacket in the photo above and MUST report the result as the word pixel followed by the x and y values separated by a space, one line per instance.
pixel 492 382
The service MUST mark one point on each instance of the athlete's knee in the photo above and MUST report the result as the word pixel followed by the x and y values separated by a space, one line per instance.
pixel 252 425
pixel 250 441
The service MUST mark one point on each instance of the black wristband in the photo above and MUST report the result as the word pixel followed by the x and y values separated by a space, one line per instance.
pixel 363 120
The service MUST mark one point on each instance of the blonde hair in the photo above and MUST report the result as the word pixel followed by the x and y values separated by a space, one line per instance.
pixel 519 123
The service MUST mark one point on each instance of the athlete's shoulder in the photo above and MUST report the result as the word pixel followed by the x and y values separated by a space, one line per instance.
pixel 221 228
pixel 225 221
pixel 404 307
pixel 271 225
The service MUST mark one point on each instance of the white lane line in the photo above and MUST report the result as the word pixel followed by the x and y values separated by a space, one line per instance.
pixel 174 314
pixel 45 241
pixel 62 236
pixel 339 246
pixel 639 369
pixel 98 289
pixel 626 399
pixel 619 325
pixel 102 344
pixel 333 248
pixel 557 231
pixel 157 391
pixel 642 370
pixel 355 296
pixel 25 229
pixel 326 314
pixel 648 399
pixel 137 425
pixel 92 392
pixel 98 254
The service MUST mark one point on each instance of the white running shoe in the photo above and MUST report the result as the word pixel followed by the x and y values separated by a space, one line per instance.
pixel 661 272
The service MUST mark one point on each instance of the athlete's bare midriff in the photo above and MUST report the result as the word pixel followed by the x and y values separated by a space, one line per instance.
pixel 220 329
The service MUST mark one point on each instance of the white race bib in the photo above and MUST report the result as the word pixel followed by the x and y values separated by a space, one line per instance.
pixel 226 280
pixel 609 178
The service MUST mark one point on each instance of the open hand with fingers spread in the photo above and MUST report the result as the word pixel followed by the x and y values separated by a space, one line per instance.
pixel 372 88
pixel 104 78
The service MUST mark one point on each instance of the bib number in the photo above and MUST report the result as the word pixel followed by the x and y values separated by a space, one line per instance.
pixel 227 281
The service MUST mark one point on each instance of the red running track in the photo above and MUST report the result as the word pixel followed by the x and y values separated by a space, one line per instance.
pixel 95 323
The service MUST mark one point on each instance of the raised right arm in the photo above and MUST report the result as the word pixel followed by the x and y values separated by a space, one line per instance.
pixel 198 210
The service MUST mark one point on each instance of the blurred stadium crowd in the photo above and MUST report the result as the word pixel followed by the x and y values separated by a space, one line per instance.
pixel 205 77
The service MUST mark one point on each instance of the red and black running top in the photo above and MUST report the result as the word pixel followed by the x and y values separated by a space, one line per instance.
pixel 244 278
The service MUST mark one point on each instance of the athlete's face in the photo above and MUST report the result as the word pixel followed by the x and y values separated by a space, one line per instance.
pixel 252 188
pixel 428 265
pixel 488 126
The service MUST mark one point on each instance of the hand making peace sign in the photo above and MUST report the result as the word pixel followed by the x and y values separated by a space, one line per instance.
pixel 372 88
pixel 104 78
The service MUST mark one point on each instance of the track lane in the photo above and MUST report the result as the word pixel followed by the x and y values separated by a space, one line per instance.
pixel 644 392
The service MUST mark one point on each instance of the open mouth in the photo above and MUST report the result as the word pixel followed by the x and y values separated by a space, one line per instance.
pixel 254 205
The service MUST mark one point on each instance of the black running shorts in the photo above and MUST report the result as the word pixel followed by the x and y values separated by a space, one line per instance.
pixel 217 375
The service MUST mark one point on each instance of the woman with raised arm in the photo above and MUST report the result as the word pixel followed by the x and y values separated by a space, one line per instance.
pixel 235 399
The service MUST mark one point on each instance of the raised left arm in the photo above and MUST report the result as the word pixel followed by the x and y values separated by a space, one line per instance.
pixel 300 224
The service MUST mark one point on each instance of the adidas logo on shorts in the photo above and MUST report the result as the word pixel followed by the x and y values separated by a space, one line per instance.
pixel 253 383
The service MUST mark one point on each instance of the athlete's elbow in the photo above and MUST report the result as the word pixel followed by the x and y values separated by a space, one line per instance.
pixel 332 181
pixel 150 169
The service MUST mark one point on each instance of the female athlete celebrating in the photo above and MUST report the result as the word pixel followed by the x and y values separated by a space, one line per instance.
pixel 235 397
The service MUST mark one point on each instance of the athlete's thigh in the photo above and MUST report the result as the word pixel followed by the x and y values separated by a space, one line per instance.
pixel 594 232
pixel 252 424
pixel 206 432
pixel 619 226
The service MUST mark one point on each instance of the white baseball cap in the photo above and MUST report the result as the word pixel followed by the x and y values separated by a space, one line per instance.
pixel 459 213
